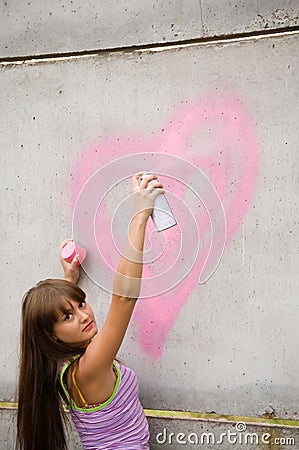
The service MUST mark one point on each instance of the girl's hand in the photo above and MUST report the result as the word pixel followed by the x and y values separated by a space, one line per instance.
pixel 145 194
pixel 71 270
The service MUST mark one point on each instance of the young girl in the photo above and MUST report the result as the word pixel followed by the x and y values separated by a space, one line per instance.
pixel 64 359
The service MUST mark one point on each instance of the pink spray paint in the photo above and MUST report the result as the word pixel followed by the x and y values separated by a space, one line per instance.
pixel 230 161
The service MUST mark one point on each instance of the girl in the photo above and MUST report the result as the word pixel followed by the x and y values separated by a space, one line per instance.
pixel 65 359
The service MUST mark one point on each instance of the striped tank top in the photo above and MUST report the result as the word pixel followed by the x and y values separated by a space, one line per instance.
pixel 117 424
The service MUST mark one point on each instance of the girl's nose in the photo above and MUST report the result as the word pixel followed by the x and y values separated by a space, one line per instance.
pixel 83 316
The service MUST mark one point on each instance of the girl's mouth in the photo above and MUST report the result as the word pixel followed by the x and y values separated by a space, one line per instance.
pixel 88 326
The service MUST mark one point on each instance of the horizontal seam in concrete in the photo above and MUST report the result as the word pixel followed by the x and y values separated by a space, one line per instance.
pixel 221 39
pixel 200 417
pixel 223 419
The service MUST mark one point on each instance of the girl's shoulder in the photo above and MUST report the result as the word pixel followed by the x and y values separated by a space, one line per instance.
pixel 72 393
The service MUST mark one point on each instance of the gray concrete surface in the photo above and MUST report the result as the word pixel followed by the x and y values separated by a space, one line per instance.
pixel 38 26
pixel 230 17
pixel 232 346
pixel 189 434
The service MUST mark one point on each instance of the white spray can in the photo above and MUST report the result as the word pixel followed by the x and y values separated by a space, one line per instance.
pixel 162 215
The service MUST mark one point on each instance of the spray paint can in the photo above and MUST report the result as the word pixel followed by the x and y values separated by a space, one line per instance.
pixel 162 215
pixel 70 250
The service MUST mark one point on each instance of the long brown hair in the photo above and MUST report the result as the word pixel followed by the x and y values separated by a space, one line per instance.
pixel 40 421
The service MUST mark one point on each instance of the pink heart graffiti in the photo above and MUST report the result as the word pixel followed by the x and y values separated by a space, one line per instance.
pixel 218 136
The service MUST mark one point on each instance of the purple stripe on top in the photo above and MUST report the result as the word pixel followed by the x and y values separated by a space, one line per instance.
pixel 119 424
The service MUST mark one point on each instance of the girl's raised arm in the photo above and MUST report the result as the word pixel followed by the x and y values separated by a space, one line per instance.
pixel 101 352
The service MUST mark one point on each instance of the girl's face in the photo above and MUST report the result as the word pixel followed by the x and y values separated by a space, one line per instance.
pixel 76 324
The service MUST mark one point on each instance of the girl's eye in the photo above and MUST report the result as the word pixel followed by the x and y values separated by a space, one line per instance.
pixel 68 317
pixel 82 304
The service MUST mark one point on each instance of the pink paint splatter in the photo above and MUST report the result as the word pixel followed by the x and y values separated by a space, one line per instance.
pixel 218 136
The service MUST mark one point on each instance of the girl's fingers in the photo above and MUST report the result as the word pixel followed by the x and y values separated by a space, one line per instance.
pixel 75 260
pixel 149 182
pixel 135 180
pixel 146 180
pixel 142 184
pixel 154 186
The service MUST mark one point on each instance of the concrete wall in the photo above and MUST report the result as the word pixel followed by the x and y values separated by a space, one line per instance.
pixel 39 27
pixel 230 108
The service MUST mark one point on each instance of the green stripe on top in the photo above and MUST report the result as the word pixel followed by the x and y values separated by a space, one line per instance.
pixel 65 367
pixel 72 404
